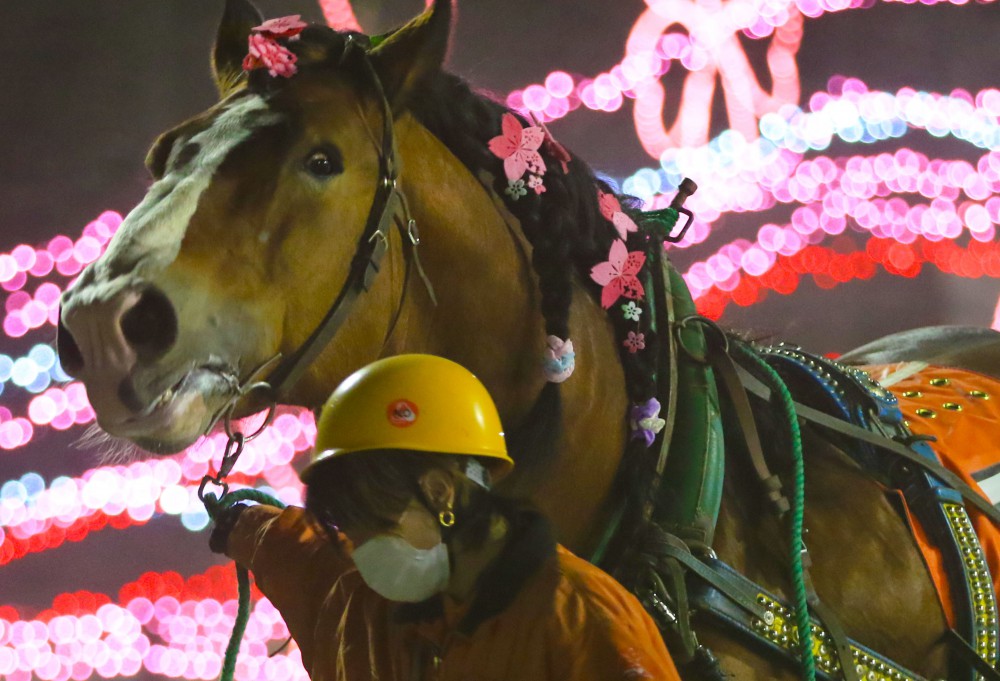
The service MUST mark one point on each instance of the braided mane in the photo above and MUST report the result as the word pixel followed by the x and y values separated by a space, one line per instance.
pixel 565 227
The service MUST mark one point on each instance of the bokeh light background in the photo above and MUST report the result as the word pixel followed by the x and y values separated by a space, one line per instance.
pixel 848 157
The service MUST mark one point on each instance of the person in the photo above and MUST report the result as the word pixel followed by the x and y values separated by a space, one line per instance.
pixel 404 565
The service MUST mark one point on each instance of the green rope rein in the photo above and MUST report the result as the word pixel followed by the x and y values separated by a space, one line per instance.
pixel 803 622
pixel 215 507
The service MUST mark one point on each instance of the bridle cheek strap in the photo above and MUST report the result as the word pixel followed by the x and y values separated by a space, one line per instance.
pixel 372 245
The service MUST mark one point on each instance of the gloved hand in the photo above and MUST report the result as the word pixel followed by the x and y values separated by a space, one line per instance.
pixel 218 541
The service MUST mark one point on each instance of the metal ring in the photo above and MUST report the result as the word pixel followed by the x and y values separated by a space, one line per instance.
pixel 708 324
pixel 227 421
pixel 446 518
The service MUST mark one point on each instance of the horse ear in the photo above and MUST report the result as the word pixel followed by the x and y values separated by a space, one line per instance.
pixel 411 54
pixel 238 20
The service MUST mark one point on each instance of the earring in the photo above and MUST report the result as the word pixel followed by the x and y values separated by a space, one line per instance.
pixel 446 518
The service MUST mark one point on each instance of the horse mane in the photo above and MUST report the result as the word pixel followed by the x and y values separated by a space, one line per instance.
pixel 564 225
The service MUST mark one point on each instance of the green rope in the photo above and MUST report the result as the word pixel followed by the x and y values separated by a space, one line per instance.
pixel 215 507
pixel 803 622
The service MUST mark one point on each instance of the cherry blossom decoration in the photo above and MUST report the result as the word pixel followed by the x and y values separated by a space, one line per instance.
pixel 635 342
pixel 266 52
pixel 518 148
pixel 618 275
pixel 611 209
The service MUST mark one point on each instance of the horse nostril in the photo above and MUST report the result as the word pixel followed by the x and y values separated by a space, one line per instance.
pixel 150 326
pixel 70 356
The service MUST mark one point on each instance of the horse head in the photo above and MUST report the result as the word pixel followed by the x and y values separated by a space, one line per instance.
pixel 265 214
pixel 246 234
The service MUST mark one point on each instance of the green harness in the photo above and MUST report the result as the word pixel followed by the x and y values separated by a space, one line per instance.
pixel 659 541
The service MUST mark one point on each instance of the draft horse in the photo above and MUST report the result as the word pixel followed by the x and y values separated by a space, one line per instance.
pixel 304 226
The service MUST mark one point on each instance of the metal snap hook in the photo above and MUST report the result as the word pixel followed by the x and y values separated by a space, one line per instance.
pixel 413 232
pixel 224 486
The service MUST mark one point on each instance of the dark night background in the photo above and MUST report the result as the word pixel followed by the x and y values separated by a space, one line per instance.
pixel 85 86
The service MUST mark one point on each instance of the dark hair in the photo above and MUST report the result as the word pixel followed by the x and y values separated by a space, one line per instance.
pixel 372 489
pixel 369 489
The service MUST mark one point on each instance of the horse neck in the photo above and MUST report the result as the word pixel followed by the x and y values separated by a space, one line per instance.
pixel 488 319
pixel 487 313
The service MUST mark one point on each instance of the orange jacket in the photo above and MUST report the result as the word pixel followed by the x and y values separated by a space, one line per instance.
pixel 560 620
pixel 962 410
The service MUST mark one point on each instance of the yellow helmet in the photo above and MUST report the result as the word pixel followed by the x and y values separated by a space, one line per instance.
pixel 419 403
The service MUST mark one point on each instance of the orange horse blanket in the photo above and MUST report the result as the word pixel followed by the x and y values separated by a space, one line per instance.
pixel 962 410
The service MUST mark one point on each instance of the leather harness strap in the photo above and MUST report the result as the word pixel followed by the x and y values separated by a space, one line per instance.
pixel 372 246
pixel 832 423
pixel 971 657
pixel 658 543
pixel 726 369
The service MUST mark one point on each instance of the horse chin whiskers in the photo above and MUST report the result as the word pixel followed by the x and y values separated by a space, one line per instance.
pixel 111 450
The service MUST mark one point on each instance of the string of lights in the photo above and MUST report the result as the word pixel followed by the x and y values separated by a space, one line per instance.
pixel 162 623
pixel 843 218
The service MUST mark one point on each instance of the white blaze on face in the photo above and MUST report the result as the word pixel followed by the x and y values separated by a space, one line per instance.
pixel 150 237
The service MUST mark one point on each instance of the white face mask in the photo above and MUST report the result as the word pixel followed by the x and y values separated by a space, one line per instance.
pixel 393 568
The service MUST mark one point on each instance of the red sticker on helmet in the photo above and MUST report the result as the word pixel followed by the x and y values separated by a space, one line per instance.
pixel 402 413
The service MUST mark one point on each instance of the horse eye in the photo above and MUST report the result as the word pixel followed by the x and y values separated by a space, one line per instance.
pixel 324 163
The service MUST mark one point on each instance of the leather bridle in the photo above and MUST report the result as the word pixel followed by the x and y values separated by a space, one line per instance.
pixel 388 206
pixel 373 243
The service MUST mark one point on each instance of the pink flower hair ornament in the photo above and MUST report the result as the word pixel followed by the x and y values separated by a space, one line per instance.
pixel 518 148
pixel 560 360
pixel 552 147
pixel 618 275
pixel 611 209
pixel 264 50
pixel 635 342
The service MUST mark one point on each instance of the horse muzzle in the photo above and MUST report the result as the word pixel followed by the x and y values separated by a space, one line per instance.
pixel 113 344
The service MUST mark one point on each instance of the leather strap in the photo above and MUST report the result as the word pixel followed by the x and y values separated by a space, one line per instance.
pixel 726 370
pixel 838 635
pixel 660 544
pixel 970 656
pixel 850 430
pixel 372 246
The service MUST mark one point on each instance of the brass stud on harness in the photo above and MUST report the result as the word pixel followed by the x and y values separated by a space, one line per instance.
pixel 926 413
pixel 952 406
pixel 913 393
pixel 979 395
pixel 938 382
